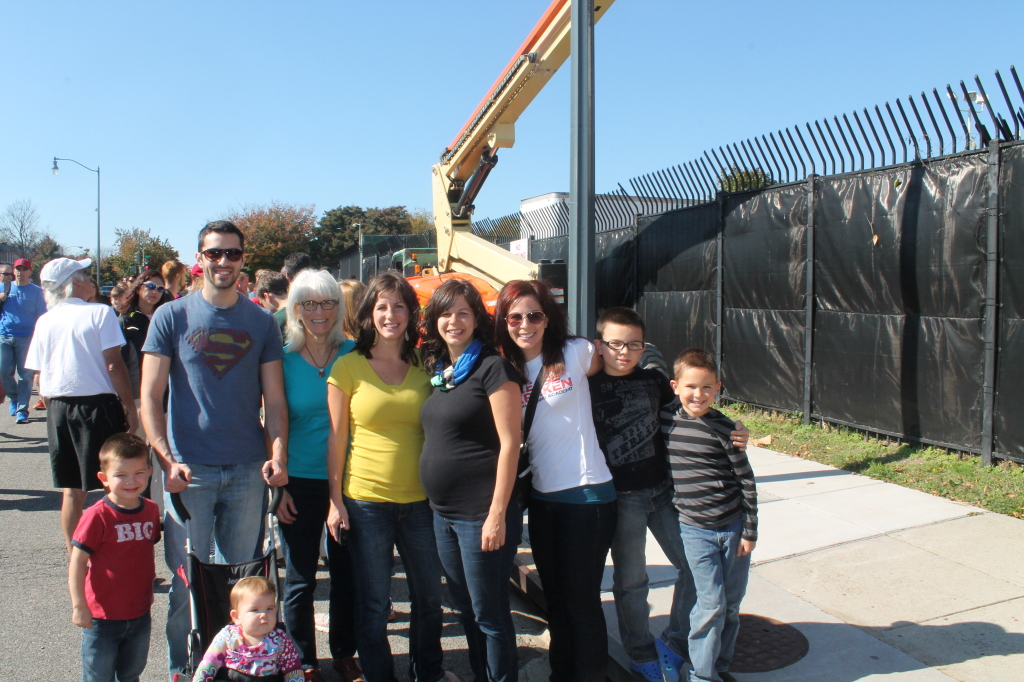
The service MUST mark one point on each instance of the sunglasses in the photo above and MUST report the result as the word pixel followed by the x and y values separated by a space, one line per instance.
pixel 6 274
pixel 151 287
pixel 619 345
pixel 516 319
pixel 214 255
pixel 312 305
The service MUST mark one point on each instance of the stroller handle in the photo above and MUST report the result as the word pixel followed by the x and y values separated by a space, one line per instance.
pixel 182 511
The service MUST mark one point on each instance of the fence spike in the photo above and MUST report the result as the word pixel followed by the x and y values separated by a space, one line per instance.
pixel 778 169
pixel 982 130
pixel 935 124
pixel 803 166
pixel 924 130
pixel 1020 91
pixel 899 133
pixel 782 159
pixel 810 156
pixel 817 147
pixel 867 140
pixel 991 109
pixel 842 136
pixel 853 136
pixel 705 168
pixel 824 141
pixel 1009 105
pixel 755 163
pixel 839 152
pixel 722 171
pixel 945 117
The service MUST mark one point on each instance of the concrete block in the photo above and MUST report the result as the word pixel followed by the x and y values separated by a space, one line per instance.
pixel 987 542
pixel 788 527
pixel 985 644
pixel 887 507
pixel 882 581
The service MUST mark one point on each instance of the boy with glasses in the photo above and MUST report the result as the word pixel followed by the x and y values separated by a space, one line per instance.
pixel 626 401
pixel 23 304
pixel 221 357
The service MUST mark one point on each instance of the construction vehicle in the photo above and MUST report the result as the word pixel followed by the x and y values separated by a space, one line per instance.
pixel 469 159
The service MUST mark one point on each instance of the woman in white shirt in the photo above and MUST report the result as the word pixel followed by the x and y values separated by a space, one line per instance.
pixel 572 503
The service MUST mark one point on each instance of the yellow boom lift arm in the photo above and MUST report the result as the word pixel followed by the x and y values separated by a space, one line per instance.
pixel 468 160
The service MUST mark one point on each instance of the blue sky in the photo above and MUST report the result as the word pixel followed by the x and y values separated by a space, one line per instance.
pixel 192 109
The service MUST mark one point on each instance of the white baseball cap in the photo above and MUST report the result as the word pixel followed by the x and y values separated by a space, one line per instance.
pixel 58 270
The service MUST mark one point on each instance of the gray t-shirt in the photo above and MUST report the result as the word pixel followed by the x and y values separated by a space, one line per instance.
pixel 214 410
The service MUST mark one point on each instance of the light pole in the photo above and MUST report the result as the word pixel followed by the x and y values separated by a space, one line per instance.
pixel 95 170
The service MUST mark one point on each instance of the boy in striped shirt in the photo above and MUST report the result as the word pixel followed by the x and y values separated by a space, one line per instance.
pixel 716 498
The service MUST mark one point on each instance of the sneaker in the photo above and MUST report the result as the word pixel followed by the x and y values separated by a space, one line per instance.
pixel 12 408
pixel 348 669
pixel 39 405
pixel 649 671
pixel 671 662
pixel 322 622
pixel 313 675
pixel 22 417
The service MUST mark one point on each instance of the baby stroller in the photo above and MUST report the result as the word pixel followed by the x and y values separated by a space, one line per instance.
pixel 209 585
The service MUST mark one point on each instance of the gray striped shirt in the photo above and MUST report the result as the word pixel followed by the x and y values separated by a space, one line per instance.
pixel 714 484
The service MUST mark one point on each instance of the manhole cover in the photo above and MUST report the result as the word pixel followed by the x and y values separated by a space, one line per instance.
pixel 766 644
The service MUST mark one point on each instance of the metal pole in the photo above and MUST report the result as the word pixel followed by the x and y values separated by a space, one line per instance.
pixel 991 306
pixel 99 282
pixel 809 303
pixel 581 171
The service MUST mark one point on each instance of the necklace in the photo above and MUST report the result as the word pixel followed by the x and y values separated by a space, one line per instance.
pixel 320 368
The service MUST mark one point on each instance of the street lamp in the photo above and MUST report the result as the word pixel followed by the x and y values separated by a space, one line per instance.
pixel 95 170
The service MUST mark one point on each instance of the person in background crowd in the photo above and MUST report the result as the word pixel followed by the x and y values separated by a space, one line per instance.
pixel 572 503
pixel 117 297
pixel 175 277
pixel 352 290
pixel 272 293
pixel 375 395
pixel 315 340
pixel 197 280
pixel 77 349
pixel 221 357
pixel 144 296
pixel 242 284
pixel 6 280
pixel 294 263
pixel 471 427
pixel 22 306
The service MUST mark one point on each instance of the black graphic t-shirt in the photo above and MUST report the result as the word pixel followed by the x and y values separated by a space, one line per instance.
pixel 626 418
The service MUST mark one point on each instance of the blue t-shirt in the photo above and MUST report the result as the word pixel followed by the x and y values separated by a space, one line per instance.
pixel 309 422
pixel 22 308
pixel 213 415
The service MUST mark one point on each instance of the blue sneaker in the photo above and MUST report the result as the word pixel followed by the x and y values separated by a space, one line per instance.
pixel 671 662
pixel 22 417
pixel 649 672
pixel 13 408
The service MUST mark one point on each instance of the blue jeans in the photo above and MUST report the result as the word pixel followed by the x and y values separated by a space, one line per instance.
pixel 13 350
pixel 478 582
pixel 721 580
pixel 226 504
pixel 570 543
pixel 115 649
pixel 301 544
pixel 639 510
pixel 376 528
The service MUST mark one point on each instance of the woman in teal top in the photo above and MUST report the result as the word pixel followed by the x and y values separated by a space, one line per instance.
pixel 315 339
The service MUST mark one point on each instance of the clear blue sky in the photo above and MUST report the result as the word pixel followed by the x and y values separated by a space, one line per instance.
pixel 192 109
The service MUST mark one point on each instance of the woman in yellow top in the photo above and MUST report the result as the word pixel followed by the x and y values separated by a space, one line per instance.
pixel 374 396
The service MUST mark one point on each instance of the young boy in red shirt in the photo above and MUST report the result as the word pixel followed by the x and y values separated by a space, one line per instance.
pixel 112 566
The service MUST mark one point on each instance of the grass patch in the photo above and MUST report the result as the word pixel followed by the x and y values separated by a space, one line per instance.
pixel 956 476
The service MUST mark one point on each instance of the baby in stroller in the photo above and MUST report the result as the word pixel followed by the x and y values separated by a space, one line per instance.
pixel 251 648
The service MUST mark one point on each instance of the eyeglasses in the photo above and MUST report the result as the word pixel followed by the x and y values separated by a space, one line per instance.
pixel 619 345
pixel 214 255
pixel 6 274
pixel 151 287
pixel 326 305
pixel 516 319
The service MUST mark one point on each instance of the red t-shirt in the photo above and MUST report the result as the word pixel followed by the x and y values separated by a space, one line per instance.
pixel 119 542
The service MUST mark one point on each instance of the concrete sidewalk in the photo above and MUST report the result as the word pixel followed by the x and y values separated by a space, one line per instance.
pixel 882 580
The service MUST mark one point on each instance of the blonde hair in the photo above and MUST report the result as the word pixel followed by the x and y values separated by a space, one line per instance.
pixel 253 586
pixel 353 291
pixel 309 284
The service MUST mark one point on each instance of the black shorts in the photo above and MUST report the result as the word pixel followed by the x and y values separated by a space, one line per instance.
pixel 76 428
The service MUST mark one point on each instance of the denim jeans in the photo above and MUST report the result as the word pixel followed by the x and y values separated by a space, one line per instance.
pixel 301 544
pixel 639 510
pixel 570 544
pixel 226 503
pixel 376 528
pixel 115 649
pixel 13 350
pixel 478 582
pixel 721 580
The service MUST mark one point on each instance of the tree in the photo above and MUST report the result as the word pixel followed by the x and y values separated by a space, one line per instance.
pixel 340 227
pixel 19 225
pixel 739 180
pixel 133 248
pixel 273 231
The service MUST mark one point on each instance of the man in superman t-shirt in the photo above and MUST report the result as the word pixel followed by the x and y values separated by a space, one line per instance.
pixel 221 357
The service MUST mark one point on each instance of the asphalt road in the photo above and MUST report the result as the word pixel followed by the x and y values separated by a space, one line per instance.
pixel 41 643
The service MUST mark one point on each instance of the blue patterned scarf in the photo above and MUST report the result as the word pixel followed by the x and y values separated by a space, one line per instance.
pixel 453 375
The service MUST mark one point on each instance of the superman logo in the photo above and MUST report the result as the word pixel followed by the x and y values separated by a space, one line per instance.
pixel 221 349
